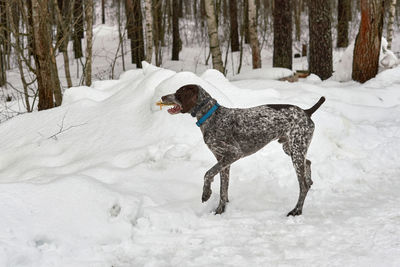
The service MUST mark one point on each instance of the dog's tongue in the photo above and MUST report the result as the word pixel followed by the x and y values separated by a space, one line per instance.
pixel 174 110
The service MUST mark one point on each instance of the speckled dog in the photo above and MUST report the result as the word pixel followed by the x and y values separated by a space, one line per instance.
pixel 233 133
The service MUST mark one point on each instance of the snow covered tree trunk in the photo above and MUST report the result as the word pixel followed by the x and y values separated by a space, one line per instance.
pixel 89 41
pixel 320 53
pixel 255 47
pixel 175 30
pixel 282 34
pixel 368 41
pixel 149 30
pixel 389 31
pixel 234 26
pixel 344 10
pixel 213 36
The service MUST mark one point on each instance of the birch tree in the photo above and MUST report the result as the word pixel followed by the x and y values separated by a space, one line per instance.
pixel 255 47
pixel 149 30
pixel 213 35
pixel 389 30
pixel 368 41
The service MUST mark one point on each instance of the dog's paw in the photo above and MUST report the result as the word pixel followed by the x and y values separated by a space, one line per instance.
pixel 220 209
pixel 206 193
pixel 294 212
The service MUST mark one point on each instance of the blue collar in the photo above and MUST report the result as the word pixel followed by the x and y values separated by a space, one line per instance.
pixel 207 115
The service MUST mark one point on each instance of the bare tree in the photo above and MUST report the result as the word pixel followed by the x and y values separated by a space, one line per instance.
pixel 213 35
pixel 320 58
pixel 389 31
pixel 234 26
pixel 282 56
pixel 149 30
pixel 255 47
pixel 47 79
pixel 176 40
pixel 89 41
pixel 344 13
pixel 368 41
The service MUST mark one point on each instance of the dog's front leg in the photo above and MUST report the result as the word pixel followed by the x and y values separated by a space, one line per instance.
pixel 224 174
pixel 222 164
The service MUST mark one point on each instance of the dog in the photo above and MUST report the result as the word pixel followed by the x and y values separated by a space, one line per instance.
pixel 234 133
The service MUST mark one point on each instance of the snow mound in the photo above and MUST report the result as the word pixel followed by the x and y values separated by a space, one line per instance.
pixel 264 74
pixel 109 179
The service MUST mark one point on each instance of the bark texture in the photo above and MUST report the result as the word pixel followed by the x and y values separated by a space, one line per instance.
pixel 389 31
pixel 213 35
pixel 48 83
pixel 149 30
pixel 89 41
pixel 255 47
pixel 234 26
pixel 282 34
pixel 368 41
pixel 320 56
pixel 175 30
pixel 344 11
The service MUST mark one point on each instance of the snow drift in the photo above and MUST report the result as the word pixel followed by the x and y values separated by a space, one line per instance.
pixel 109 179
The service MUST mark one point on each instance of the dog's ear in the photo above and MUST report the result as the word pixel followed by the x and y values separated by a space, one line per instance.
pixel 187 95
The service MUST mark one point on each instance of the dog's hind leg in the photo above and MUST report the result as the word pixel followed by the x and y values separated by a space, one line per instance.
pixel 299 163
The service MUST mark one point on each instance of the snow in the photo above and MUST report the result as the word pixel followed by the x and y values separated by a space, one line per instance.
pixel 122 186
pixel 109 179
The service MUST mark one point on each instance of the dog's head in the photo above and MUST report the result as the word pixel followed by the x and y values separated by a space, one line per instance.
pixel 183 100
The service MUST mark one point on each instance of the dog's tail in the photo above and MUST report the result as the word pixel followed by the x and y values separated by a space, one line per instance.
pixel 311 110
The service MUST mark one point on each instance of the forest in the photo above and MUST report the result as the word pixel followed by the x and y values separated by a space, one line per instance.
pixel 41 39
pixel 96 171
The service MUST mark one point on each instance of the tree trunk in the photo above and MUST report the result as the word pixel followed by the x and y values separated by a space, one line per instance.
pixel 89 41
pixel 255 47
pixel 389 31
pixel 103 13
pixel 213 36
pixel 344 11
pixel 320 56
pixel 3 43
pixel 121 37
pixel 282 34
pixel 246 21
pixel 42 47
pixel 234 26
pixel 78 29
pixel 175 30
pixel 149 30
pixel 368 41
pixel 158 38
pixel 297 18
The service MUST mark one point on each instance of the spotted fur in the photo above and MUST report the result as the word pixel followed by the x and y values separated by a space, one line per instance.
pixel 233 133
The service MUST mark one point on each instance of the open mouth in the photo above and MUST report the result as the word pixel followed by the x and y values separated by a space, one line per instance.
pixel 175 109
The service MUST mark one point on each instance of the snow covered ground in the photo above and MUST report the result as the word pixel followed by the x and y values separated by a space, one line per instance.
pixel 108 179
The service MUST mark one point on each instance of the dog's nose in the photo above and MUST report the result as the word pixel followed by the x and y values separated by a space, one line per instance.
pixel 163 98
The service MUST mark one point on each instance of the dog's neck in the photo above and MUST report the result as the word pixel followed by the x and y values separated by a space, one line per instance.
pixel 203 104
